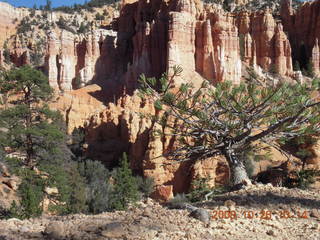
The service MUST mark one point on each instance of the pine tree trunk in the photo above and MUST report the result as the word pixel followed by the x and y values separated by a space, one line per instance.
pixel 238 171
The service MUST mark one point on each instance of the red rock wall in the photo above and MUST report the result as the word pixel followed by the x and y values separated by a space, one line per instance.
pixel 264 42
pixel 303 26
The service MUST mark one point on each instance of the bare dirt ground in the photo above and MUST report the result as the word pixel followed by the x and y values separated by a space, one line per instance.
pixel 257 212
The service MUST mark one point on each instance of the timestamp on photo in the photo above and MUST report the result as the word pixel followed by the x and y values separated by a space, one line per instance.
pixel 262 214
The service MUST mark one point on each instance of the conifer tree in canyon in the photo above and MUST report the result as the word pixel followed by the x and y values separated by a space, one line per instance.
pixel 229 119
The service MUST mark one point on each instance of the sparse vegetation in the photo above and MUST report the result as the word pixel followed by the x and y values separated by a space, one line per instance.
pixel 99 17
pixel 63 24
pixel 24 26
pixel 178 201
pixel 304 178
pixel 296 66
pixel 86 6
pixel 84 28
pixel 6 53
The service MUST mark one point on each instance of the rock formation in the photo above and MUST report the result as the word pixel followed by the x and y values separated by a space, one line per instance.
pixel 316 57
pixel 71 61
pixel 264 42
pixel 121 128
pixel 8 187
pixel 303 27
pixel 151 37
pixel 9 18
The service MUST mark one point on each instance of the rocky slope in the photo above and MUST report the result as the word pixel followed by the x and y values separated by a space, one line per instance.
pixel 149 220
pixel 150 37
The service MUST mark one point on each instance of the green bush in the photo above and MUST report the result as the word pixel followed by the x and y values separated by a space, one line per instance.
pixel 125 188
pixel 304 178
pixel 145 185
pixel 296 66
pixel 6 53
pixel 24 26
pixel 178 201
pixel 77 202
pixel 84 28
pixel 99 17
pixel 63 24
pixel 4 213
pixel 31 191
pixel 199 189
pixel 98 189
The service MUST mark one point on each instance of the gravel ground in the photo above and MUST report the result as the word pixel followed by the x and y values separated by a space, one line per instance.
pixel 257 212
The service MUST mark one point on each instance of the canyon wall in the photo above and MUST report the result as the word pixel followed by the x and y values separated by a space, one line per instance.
pixel 9 18
pixel 152 36
pixel 303 27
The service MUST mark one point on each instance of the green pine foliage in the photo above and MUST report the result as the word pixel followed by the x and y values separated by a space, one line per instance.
pixel 78 191
pixel 37 134
pixel 125 188
pixel 145 185
pixel 31 192
pixel 199 190
pixel 305 177
pixel 6 53
pixel 32 128
pixel 230 119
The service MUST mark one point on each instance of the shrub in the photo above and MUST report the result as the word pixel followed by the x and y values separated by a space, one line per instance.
pixel 24 26
pixel 178 201
pixel 125 187
pixel 32 12
pixel 273 69
pixel 296 66
pixel 83 28
pixel 145 185
pixel 63 24
pixel 6 53
pixel 99 17
pixel 304 178
pixel 77 142
pixel 4 213
pixel 31 193
pixel 200 188
pixel 77 201
pixel 98 189
pixel 310 69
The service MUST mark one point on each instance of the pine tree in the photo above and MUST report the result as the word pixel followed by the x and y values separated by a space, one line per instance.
pixel 125 187
pixel 32 128
pixel 48 6
pixel 230 119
